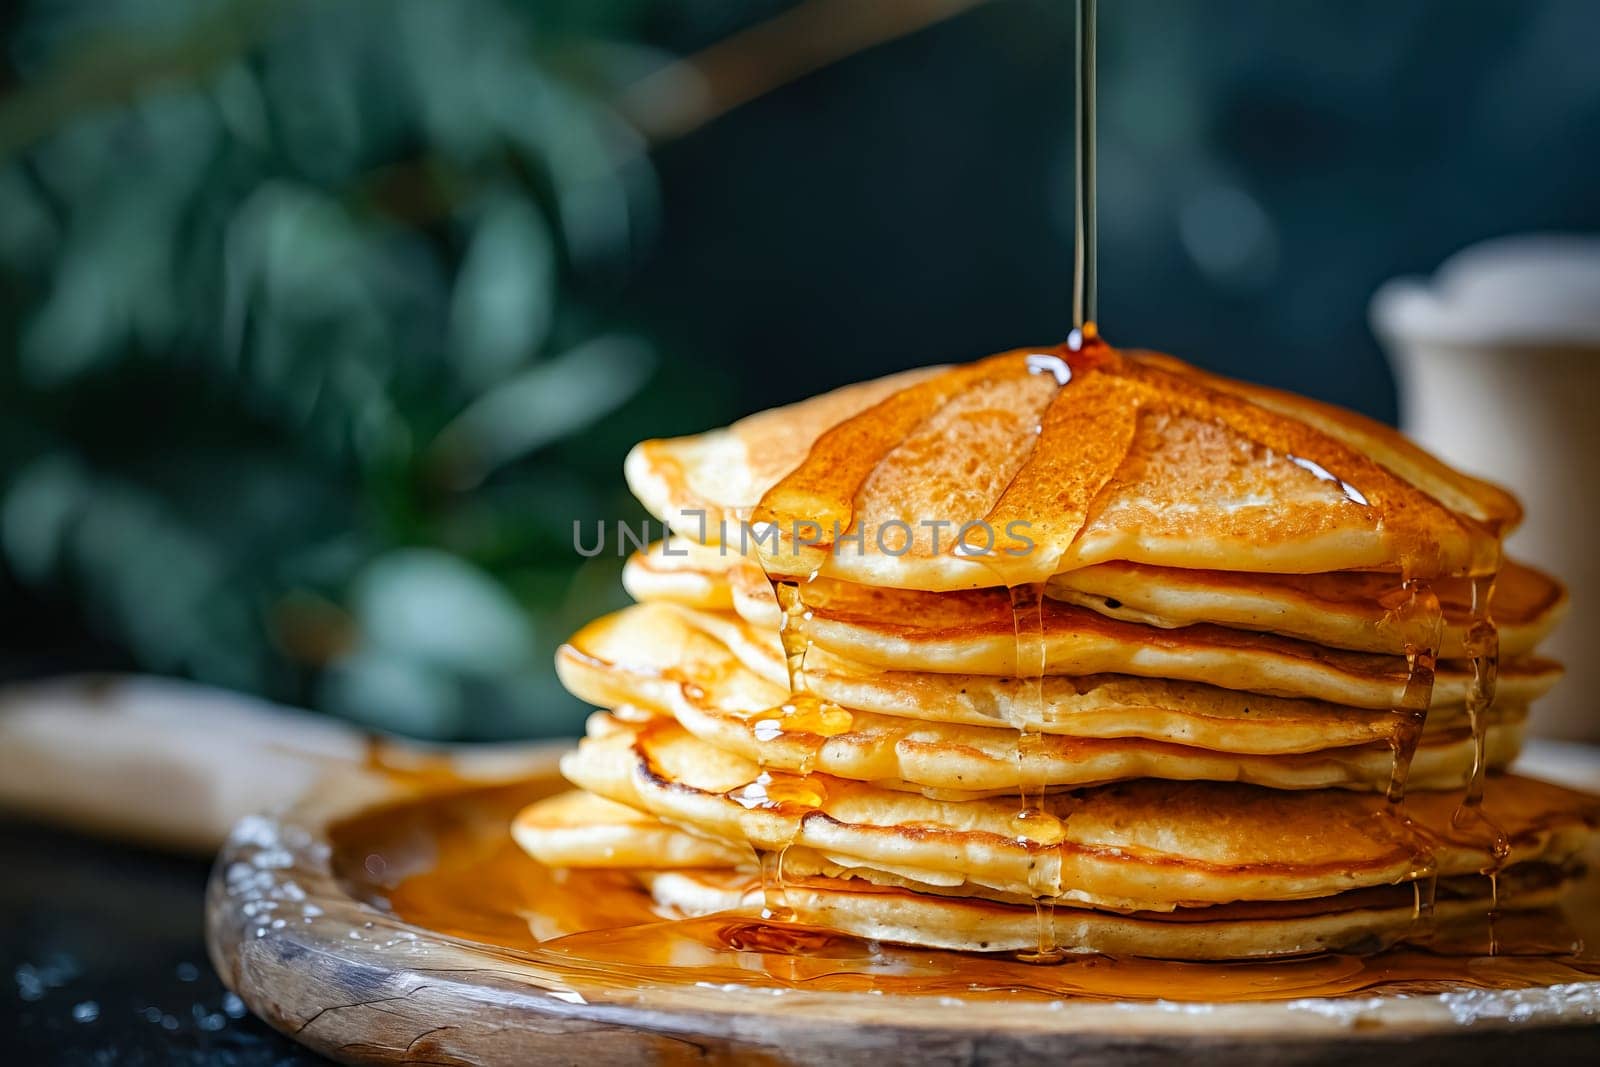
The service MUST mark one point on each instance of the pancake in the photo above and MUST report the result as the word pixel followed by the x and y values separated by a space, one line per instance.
pixel 964 762
pixel 1361 920
pixel 1145 845
pixel 1472 497
pixel 1109 705
pixel 884 907
pixel 702 486
pixel 1134 459
pixel 578 829
pixel 1094 706
pixel 683 572
pixel 974 632
pixel 979 655
pixel 652 658
pixel 1345 610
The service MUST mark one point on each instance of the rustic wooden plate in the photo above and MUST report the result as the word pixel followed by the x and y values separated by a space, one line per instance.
pixel 298 930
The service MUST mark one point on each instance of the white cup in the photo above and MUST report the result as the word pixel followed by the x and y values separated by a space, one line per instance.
pixel 1498 362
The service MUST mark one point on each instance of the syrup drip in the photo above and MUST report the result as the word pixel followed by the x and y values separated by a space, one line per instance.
pixel 792 795
pixel 1415 610
pixel 804 719
pixel 1083 339
pixel 775 897
pixel 1036 828
pixel 777 791
pixel 1027 620
pixel 1482 646
pixel 450 868
pixel 792 629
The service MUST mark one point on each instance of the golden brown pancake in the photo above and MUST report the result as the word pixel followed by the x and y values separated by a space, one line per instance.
pixel 1110 705
pixel 974 632
pixel 574 830
pixel 1145 845
pixel 1099 705
pixel 1135 459
pixel 1094 706
pixel 652 658
pixel 1349 610
pixel 683 572
pixel 578 829
pixel 1346 610
pixel 1478 500
pixel 975 646
pixel 712 479
pixel 1363 920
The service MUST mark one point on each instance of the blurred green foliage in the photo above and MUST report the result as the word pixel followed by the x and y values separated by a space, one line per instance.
pixel 302 302
pixel 311 348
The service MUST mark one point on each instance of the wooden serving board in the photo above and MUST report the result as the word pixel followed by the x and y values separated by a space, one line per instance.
pixel 314 950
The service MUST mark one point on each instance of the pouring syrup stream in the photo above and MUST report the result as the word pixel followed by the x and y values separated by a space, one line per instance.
pixel 1083 211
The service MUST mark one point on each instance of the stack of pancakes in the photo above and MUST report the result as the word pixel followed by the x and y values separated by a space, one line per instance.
pixel 1069 650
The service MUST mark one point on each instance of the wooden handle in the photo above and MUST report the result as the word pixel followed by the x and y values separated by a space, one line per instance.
pixel 175 764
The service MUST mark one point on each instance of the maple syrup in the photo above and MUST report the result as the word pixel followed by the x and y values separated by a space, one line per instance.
pixel 1417 611
pixel 1084 255
pixel 1482 647
pixel 1036 829
pixel 1413 608
pixel 803 717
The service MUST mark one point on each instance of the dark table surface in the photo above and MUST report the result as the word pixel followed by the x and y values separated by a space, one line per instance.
pixel 104 948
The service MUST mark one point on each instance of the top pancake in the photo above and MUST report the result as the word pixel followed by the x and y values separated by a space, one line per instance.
pixel 1136 459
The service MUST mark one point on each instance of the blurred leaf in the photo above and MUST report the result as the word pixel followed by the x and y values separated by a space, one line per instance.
pixel 38 512
pixel 539 405
pixel 431 607
pixel 591 158
pixel 312 81
pixel 390 692
pixel 504 296
pixel 143 572
pixel 27 232
pixel 242 107
pixel 95 55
